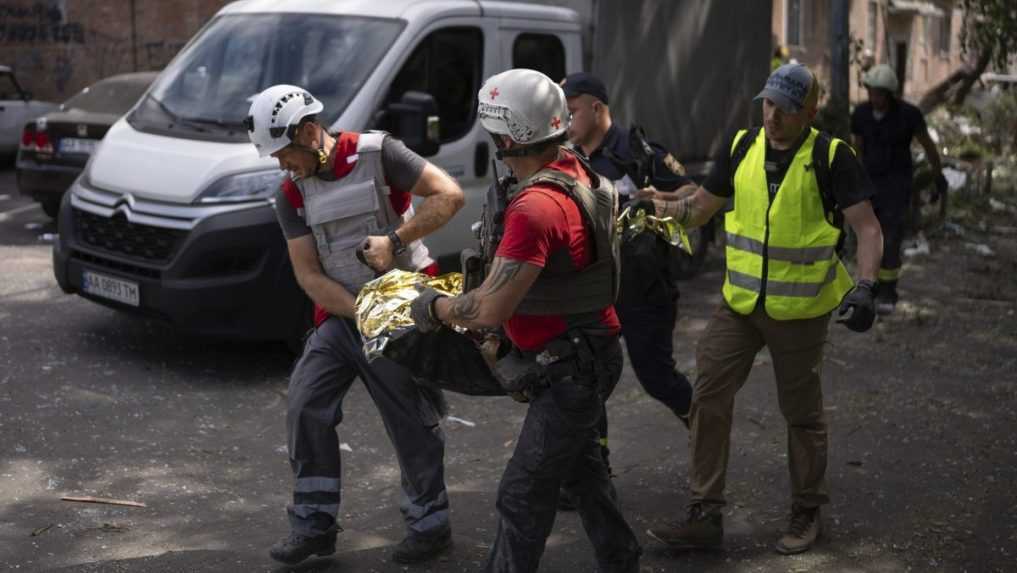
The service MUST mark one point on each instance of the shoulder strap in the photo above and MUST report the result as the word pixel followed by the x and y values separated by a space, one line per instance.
pixel 822 156
pixel 370 141
pixel 744 140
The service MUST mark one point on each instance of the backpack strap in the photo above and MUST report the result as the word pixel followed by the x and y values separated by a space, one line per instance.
pixel 823 150
pixel 743 141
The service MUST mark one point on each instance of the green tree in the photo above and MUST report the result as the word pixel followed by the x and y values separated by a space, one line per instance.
pixel 988 35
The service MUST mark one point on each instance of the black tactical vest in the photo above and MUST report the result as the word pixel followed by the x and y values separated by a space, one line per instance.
pixel 561 288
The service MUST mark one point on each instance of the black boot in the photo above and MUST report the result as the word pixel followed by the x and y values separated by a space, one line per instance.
pixel 296 547
pixel 418 548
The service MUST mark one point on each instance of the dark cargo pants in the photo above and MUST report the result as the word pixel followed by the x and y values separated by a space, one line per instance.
pixel 557 447
pixel 891 206
pixel 724 357
pixel 332 359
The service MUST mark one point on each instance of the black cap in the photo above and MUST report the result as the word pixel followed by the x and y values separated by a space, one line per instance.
pixel 581 83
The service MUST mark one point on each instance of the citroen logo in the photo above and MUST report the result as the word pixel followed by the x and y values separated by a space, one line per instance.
pixel 124 204
pixel 82 130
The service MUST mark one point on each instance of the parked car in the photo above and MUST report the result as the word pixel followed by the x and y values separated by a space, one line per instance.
pixel 16 107
pixel 56 146
pixel 173 217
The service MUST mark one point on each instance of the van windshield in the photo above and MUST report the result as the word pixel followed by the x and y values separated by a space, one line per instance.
pixel 207 89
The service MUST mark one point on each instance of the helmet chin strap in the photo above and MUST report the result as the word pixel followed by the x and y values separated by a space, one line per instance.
pixel 318 152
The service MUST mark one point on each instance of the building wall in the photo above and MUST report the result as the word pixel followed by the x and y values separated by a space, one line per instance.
pixel 927 64
pixel 57 47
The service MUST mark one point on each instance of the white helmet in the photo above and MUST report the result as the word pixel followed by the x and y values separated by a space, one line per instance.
pixel 881 77
pixel 525 105
pixel 275 113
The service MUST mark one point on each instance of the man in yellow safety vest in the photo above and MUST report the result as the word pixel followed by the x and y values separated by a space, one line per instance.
pixel 790 186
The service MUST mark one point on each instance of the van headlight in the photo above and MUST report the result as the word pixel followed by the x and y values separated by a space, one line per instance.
pixel 256 186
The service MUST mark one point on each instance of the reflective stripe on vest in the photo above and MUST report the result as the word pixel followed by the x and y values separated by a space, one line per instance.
pixel 343 212
pixel 804 277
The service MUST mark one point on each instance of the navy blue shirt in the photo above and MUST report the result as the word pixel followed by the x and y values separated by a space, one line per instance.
pixel 614 160
pixel 886 142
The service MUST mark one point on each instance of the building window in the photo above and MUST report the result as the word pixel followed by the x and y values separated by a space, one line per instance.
pixel 793 24
pixel 870 33
pixel 945 30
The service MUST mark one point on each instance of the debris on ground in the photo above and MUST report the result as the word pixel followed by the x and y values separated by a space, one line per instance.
pixel 980 248
pixel 345 447
pixel 920 247
pixel 41 530
pixel 103 500
pixel 458 420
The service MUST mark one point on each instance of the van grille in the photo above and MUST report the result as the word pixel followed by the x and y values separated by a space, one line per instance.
pixel 118 235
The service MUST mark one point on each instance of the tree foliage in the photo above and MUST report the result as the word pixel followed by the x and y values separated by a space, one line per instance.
pixel 990 27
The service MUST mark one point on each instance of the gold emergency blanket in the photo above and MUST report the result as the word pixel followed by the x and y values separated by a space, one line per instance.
pixel 445 359
pixel 635 222
pixel 383 305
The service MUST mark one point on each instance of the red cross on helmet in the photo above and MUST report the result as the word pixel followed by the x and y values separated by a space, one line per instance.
pixel 525 105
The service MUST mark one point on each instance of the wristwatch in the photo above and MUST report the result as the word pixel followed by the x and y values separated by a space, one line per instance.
pixel 398 247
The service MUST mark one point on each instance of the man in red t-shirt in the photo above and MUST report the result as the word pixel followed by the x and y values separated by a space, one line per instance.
pixel 350 192
pixel 551 285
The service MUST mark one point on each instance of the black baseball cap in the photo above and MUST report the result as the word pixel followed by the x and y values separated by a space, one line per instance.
pixel 581 83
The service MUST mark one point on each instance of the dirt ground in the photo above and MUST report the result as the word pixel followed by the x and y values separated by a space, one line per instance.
pixel 92 402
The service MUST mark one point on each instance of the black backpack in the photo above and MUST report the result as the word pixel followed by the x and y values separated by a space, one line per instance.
pixel 820 162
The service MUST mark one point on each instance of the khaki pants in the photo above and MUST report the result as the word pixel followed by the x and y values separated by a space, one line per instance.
pixel 724 358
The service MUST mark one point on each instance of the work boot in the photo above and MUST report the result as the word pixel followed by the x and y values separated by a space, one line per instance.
pixel 802 530
pixel 419 548
pixel 886 298
pixel 703 529
pixel 297 547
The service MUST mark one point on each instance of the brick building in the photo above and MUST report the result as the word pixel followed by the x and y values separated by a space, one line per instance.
pixel 920 39
pixel 57 47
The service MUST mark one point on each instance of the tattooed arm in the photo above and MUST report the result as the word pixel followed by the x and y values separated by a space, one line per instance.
pixel 493 302
pixel 690 210
pixel 442 199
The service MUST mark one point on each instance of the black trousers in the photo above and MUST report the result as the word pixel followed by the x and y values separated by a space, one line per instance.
pixel 891 205
pixel 557 448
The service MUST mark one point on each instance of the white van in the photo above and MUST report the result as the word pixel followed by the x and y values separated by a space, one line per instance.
pixel 173 214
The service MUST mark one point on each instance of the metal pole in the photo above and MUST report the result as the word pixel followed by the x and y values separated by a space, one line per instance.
pixel 134 37
pixel 840 70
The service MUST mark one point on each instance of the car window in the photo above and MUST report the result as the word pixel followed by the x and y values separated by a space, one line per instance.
pixel 447 64
pixel 542 52
pixel 207 89
pixel 7 88
pixel 114 96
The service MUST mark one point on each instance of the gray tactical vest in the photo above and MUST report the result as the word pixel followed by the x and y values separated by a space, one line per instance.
pixel 561 288
pixel 342 213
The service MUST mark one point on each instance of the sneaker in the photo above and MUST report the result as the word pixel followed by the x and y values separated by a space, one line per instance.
pixel 419 548
pixel 802 530
pixel 297 547
pixel 703 529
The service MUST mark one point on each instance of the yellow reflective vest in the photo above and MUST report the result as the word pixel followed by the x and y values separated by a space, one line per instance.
pixel 804 276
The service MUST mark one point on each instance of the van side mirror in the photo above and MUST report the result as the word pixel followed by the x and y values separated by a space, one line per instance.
pixel 414 120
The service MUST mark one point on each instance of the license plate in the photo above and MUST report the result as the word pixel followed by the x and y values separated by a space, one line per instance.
pixel 111 288
pixel 78 146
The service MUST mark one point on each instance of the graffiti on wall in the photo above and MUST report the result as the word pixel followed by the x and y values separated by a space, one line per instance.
pixel 40 23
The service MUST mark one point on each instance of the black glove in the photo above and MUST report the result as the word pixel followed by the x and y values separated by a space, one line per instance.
pixel 940 187
pixel 422 311
pixel 858 309
pixel 645 205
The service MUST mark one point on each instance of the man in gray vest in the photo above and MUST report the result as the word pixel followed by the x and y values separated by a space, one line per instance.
pixel 550 248
pixel 348 192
